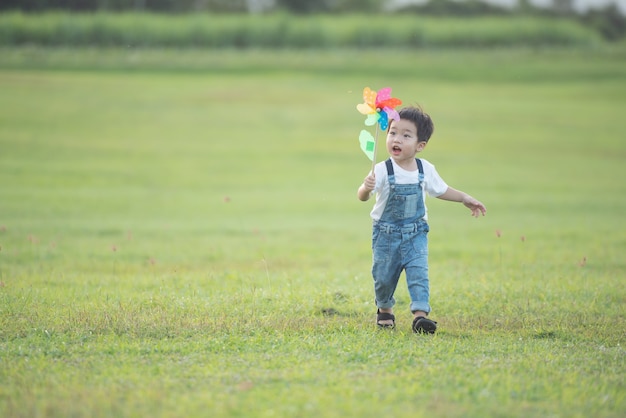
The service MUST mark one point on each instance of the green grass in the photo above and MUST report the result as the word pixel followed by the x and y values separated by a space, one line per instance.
pixel 180 235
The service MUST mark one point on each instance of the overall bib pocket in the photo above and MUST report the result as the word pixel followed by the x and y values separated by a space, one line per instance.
pixel 405 206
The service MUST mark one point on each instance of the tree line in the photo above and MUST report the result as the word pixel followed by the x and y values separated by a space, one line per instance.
pixel 608 20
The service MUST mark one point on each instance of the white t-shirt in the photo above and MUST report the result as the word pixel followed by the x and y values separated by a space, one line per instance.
pixel 433 184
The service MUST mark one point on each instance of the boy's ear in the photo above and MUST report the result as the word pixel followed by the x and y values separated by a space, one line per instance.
pixel 421 145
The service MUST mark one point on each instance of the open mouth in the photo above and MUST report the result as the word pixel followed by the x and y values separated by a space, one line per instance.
pixel 396 149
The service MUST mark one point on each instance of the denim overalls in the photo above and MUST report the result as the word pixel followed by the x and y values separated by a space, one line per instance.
pixel 399 242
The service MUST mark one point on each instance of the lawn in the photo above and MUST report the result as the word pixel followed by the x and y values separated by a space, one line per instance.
pixel 180 235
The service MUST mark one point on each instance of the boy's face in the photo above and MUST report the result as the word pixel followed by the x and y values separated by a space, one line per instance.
pixel 402 143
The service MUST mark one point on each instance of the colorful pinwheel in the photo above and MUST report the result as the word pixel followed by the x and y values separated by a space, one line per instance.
pixel 379 108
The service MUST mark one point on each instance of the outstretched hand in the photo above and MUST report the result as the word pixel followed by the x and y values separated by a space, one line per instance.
pixel 475 206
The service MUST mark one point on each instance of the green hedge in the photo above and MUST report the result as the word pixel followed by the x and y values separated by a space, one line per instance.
pixel 286 31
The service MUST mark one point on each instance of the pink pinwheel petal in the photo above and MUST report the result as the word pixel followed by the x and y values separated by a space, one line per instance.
pixel 383 94
pixel 392 113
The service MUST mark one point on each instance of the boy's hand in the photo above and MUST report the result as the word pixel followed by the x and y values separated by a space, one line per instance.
pixel 365 189
pixel 474 205
pixel 369 183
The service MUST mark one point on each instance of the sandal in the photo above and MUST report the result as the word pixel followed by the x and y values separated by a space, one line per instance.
pixel 384 316
pixel 422 325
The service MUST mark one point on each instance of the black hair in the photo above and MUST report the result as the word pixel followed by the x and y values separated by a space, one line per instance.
pixel 422 121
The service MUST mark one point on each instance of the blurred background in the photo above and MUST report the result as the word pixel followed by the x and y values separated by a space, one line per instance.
pixel 607 17
pixel 206 122
pixel 308 6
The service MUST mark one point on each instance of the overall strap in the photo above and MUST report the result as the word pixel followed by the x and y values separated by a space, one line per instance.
pixel 389 167
pixel 390 175
pixel 419 166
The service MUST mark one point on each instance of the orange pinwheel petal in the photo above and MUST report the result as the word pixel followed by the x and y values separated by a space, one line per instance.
pixel 391 102
pixel 369 97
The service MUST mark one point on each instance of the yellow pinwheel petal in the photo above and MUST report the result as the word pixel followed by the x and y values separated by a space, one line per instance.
pixel 365 109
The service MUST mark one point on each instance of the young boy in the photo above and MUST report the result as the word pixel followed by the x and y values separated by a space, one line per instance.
pixel 400 228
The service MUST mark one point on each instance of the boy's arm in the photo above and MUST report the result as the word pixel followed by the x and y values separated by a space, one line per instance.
pixel 366 188
pixel 474 205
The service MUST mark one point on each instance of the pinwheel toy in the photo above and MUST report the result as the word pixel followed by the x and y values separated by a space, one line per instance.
pixel 378 108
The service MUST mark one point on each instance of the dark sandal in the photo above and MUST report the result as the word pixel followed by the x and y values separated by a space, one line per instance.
pixel 384 316
pixel 422 325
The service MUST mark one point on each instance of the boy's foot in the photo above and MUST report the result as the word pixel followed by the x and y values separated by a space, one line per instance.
pixel 385 319
pixel 422 325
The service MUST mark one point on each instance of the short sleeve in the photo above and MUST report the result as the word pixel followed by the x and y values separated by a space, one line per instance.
pixel 434 185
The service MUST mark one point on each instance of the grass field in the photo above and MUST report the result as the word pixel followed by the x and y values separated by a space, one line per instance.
pixel 180 235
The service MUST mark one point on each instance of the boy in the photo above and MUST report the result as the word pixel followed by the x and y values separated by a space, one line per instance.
pixel 400 228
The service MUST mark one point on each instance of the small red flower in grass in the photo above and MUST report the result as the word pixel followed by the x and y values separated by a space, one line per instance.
pixel 498 233
pixel 113 248
pixel 226 199
pixel 523 238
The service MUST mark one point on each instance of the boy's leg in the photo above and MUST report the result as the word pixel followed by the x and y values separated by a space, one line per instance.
pixel 386 270
pixel 417 281
pixel 418 285
pixel 386 276
pixel 416 253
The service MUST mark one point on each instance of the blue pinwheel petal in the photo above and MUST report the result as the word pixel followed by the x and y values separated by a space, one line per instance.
pixel 383 120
